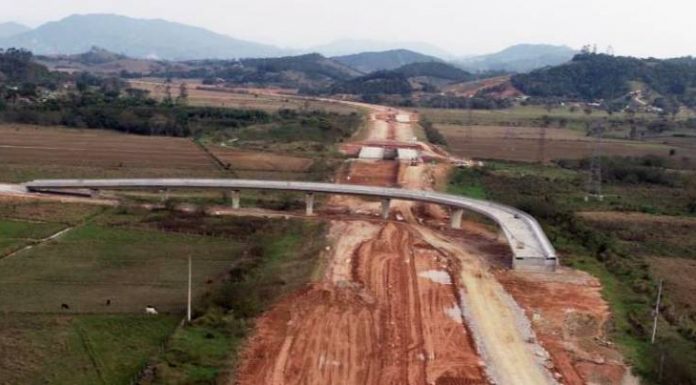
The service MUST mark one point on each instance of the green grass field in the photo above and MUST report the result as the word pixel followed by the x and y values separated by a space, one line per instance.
pixel 78 350
pixel 92 263
pixel 16 234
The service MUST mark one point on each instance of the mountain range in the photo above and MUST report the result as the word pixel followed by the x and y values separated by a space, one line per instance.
pixel 157 39
pixel 519 58
pixel 11 28
pixel 160 39
pixel 344 47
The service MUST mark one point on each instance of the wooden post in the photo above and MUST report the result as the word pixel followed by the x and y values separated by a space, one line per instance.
pixel 657 313
pixel 188 307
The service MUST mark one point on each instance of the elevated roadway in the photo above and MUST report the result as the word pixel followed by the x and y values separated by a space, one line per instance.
pixel 530 247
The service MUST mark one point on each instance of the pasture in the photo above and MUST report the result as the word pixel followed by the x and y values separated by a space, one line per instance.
pixel 78 349
pixel 94 263
pixel 110 265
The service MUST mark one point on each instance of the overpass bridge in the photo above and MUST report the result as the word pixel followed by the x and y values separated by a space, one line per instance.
pixel 530 247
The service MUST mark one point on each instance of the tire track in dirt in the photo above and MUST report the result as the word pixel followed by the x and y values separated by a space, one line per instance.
pixel 388 324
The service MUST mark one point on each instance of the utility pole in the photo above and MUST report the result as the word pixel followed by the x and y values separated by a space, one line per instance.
pixel 657 313
pixel 188 302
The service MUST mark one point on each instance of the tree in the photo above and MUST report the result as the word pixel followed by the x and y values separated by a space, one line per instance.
pixel 167 100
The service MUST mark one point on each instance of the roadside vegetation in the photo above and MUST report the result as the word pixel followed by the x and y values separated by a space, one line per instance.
pixel 432 134
pixel 629 260
pixel 280 257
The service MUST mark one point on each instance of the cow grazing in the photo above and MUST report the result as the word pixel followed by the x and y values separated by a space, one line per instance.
pixel 108 302
pixel 150 310
pixel 65 306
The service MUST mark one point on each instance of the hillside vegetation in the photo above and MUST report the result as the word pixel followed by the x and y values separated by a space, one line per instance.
pixel 386 60
pixel 597 76
pixel 309 71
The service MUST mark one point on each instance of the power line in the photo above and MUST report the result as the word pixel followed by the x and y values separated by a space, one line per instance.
pixel 594 179
pixel 541 155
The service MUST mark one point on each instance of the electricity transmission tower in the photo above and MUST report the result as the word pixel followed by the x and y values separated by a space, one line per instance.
pixel 594 178
pixel 509 137
pixel 541 155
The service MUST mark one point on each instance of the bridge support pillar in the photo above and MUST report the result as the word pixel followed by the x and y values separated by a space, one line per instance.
pixel 456 218
pixel 385 208
pixel 164 195
pixel 235 199
pixel 93 193
pixel 309 200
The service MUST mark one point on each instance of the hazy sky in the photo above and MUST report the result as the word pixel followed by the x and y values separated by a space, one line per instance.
pixel 634 27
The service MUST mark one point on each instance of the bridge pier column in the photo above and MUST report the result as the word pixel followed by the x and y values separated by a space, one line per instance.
pixel 456 218
pixel 235 199
pixel 385 208
pixel 93 193
pixel 309 200
pixel 164 195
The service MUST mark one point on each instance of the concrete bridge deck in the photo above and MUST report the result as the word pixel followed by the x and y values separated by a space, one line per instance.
pixel 530 247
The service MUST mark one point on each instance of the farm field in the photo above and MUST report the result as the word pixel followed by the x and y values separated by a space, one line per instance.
pixel 242 160
pixel 522 144
pixel 262 99
pixel 29 152
pixel 527 115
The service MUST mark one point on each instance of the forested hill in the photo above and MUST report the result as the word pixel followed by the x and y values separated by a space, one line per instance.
pixel 403 80
pixel 386 60
pixel 311 71
pixel 598 76
pixel 435 70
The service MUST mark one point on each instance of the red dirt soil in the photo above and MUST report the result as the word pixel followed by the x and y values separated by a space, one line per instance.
pixel 569 317
pixel 387 325
pixel 370 173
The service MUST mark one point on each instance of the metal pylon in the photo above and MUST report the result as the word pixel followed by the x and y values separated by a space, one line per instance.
pixel 594 178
